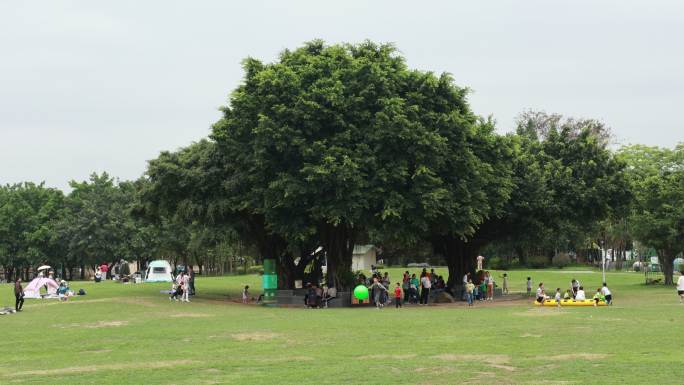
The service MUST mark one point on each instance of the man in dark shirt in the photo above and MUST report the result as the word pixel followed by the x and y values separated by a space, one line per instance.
pixel 18 295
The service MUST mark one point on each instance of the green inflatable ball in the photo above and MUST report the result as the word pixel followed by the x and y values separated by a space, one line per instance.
pixel 361 292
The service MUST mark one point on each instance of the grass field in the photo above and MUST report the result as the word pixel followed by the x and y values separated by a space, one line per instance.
pixel 132 334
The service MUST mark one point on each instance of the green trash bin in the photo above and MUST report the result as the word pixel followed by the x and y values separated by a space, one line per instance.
pixel 269 283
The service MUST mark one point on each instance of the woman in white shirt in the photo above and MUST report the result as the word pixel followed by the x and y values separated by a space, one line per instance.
pixel 680 288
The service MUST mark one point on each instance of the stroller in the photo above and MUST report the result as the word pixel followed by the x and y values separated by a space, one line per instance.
pixel 413 295
pixel 176 292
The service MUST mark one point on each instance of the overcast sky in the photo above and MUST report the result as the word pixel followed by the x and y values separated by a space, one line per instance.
pixel 106 85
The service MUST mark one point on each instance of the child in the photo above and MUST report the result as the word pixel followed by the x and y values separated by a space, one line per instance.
pixel 529 286
pixel 505 283
pixel 567 295
pixel 598 297
pixel 558 297
pixel 540 293
pixel 483 290
pixel 607 294
pixel 397 296
pixel 469 292
pixel 245 294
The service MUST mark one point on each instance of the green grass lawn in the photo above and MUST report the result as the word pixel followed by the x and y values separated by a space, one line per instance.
pixel 132 334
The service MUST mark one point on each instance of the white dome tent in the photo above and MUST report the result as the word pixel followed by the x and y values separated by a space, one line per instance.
pixel 159 271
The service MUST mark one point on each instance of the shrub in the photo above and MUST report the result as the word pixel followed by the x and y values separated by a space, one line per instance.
pixel 496 263
pixel 561 260
pixel 256 269
pixel 537 261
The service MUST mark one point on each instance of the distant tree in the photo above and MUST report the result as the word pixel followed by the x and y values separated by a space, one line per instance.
pixel 27 225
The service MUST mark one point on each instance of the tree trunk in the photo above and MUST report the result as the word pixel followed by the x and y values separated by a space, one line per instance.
pixel 666 259
pixel 460 258
pixel 522 258
pixel 338 243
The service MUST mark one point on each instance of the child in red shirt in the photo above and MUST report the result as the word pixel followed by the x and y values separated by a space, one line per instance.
pixel 397 296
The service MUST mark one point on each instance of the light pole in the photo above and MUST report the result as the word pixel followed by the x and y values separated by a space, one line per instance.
pixel 603 262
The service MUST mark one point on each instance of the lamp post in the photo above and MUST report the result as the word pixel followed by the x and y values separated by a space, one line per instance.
pixel 603 262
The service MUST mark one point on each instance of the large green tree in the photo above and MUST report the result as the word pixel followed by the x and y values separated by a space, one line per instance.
pixel 331 142
pixel 657 179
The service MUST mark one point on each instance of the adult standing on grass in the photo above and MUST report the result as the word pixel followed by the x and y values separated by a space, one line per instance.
pixel 490 286
pixel 574 285
pixel 426 285
pixel 406 285
pixel 680 287
pixel 18 295
pixel 191 280
pixel 413 288
pixel 186 287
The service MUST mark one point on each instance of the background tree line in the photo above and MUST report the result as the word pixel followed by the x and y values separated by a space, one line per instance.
pixel 331 146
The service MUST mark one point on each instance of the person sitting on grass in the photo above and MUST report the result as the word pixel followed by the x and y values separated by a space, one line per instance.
pixel 540 293
pixel 63 291
pixel 580 296
pixel 607 294
pixel 598 297
pixel 567 295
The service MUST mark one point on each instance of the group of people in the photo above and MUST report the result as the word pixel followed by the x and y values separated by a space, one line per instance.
pixel 183 286
pixel 484 290
pixel 575 292
pixel 316 296
pixel 411 289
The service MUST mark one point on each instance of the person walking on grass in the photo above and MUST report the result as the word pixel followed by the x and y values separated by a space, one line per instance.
pixel 680 287
pixel 469 288
pixel 558 298
pixel 377 288
pixel 426 285
pixel 18 295
pixel 397 296
pixel 245 294
pixel 529 286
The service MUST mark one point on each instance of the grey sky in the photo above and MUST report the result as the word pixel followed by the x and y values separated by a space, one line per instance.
pixel 104 86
